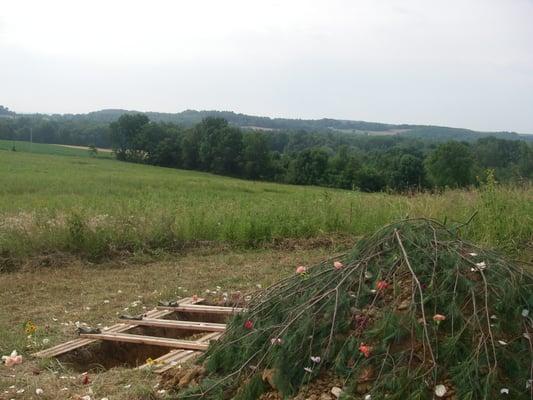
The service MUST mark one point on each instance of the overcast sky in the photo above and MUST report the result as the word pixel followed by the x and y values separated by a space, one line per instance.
pixel 463 63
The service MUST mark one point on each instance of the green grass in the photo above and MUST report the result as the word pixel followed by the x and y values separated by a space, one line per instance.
pixel 97 207
pixel 40 148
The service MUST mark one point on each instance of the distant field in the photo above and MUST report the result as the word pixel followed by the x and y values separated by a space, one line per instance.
pixel 55 149
pixel 96 207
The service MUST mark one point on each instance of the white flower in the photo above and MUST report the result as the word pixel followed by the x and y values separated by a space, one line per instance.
pixel 106 301
pixel 39 391
pixel 161 391
pixel 86 397
pixel 504 391
pixel 259 286
pixel 481 265
pixel 315 359
pixel 472 254
pixel 368 275
pixel 368 397
pixel 493 317
pixel 307 369
pixel 20 391
pixel 503 343
pixel 440 390
pixel 525 313
pixel 46 341
pixel 127 386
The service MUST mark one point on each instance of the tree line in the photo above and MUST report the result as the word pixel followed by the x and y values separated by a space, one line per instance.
pixel 325 159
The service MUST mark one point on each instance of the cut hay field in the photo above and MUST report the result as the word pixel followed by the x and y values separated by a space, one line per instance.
pixel 98 207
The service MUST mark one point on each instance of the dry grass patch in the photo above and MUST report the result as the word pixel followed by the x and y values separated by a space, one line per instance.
pixel 55 298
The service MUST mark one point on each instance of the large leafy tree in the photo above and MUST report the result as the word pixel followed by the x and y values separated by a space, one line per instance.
pixel 451 164
pixel 256 157
pixel 126 136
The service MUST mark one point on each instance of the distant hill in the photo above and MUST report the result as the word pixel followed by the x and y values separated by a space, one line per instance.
pixel 190 117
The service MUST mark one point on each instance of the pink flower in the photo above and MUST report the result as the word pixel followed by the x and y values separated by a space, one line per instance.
pixel 249 324
pixel 11 361
pixel 382 285
pixel 301 270
pixel 438 318
pixel 366 350
pixel 338 265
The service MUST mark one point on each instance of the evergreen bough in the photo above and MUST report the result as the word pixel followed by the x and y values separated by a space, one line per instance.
pixel 412 307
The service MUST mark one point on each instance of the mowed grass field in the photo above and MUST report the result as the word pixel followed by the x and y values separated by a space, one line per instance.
pixel 97 207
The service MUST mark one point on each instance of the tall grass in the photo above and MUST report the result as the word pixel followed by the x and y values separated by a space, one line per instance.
pixel 96 207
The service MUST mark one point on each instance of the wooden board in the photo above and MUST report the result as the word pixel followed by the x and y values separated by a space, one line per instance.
pixel 183 325
pixel 178 357
pixel 150 340
pixel 120 327
pixel 198 308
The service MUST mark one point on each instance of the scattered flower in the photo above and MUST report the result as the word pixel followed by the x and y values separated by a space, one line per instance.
pixel 30 328
pixel 127 386
pixel 39 391
pixel 106 301
pixel 315 359
pixel 259 286
pixel 338 265
pixel 438 318
pixel 13 359
pixel 276 341
pixel 440 390
pixel 249 324
pixel 161 391
pixel 368 397
pixel 480 266
pixel 382 285
pixel 472 254
pixel 86 397
pixel 493 317
pixel 366 350
pixel 525 313
pixel 504 391
pixel 46 341
pixel 503 343
pixel 368 275
pixel 307 369
pixel 20 391
pixel 301 270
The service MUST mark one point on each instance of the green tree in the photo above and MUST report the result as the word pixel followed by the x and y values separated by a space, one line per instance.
pixel 256 158
pixel 126 136
pixel 309 167
pixel 409 173
pixel 451 164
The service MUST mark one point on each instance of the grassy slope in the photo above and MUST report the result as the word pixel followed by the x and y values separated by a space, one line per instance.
pixel 40 194
pixel 52 149
pixel 86 205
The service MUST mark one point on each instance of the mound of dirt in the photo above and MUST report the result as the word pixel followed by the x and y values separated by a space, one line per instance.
pixel 412 312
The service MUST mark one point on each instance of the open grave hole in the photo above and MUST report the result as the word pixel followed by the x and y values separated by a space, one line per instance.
pixel 106 354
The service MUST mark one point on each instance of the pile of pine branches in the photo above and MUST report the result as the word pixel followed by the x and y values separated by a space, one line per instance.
pixel 412 312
